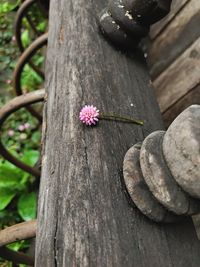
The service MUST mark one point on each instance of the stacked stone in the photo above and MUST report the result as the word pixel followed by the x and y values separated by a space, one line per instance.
pixel 126 22
pixel 162 175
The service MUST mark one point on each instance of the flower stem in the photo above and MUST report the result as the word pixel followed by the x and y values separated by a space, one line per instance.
pixel 114 117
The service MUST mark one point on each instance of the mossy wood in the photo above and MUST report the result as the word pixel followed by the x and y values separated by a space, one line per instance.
pixel 84 215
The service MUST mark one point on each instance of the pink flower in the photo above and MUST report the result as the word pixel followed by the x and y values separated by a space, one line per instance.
pixel 89 115
pixel 8 81
pixel 11 132
pixel 27 125
pixel 21 128
pixel 13 39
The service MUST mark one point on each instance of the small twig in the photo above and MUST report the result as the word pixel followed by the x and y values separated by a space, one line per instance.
pixel 21 231
pixel 115 117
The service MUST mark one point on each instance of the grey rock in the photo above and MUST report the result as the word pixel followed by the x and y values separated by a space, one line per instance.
pixel 181 148
pixel 138 190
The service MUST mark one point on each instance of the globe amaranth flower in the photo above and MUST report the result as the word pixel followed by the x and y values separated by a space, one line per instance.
pixel 89 115
pixel 21 127
pixel 27 125
pixel 11 132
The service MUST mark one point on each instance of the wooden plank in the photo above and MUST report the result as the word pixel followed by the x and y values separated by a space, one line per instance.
pixel 84 217
pixel 179 34
pixel 176 7
pixel 190 98
pixel 196 220
pixel 179 78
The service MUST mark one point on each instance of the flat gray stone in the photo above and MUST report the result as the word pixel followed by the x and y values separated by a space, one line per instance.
pixel 181 148
pixel 138 190
pixel 160 180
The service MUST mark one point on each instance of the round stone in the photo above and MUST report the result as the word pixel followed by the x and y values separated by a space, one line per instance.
pixel 114 33
pixel 181 148
pixel 126 21
pixel 138 190
pixel 148 11
pixel 160 180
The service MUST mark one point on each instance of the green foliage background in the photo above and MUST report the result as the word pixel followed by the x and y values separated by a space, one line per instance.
pixel 18 189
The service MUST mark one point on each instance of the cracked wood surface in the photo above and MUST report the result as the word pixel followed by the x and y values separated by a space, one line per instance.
pixel 85 217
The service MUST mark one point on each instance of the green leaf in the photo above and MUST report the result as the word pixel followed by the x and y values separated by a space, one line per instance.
pixel 27 206
pixel 19 245
pixel 35 138
pixel 25 38
pixel 42 26
pixel 6 197
pixel 11 177
pixel 7 6
pixel 30 157
pixel 30 79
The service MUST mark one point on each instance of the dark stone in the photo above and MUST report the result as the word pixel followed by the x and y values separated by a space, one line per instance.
pixel 126 21
pixel 139 191
pixel 160 180
pixel 114 32
pixel 148 11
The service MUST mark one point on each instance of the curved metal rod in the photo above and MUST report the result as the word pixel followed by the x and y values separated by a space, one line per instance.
pixel 16 257
pixel 38 33
pixel 24 58
pixel 13 105
pixel 18 21
pixel 21 13
pixel 20 231
pixel 44 7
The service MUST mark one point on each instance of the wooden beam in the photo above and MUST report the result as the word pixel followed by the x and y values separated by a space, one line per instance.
pixel 191 97
pixel 175 39
pixel 179 78
pixel 176 7
pixel 84 217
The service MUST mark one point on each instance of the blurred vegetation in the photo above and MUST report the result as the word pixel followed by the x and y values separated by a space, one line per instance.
pixel 21 131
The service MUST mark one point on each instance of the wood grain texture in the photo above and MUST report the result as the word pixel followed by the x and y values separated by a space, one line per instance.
pixel 181 76
pixel 191 97
pixel 176 7
pixel 84 217
pixel 175 39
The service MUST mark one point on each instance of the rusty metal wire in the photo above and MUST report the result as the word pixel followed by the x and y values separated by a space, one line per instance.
pixel 23 13
pixel 24 58
pixel 13 105
pixel 16 257
pixel 20 231
pixel 24 230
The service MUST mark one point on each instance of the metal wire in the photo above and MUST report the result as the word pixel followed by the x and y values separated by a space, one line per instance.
pixel 24 58
pixel 13 105
pixel 22 13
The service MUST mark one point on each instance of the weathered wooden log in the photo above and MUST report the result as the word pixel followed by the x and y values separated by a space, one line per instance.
pixel 84 215
pixel 168 164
